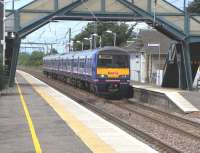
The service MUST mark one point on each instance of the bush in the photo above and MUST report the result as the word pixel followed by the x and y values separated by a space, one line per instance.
pixel 4 77
pixel 33 59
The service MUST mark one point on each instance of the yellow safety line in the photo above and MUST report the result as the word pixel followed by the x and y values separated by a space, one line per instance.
pixel 30 122
pixel 93 142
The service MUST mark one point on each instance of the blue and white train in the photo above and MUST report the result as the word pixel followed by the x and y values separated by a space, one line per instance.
pixel 102 71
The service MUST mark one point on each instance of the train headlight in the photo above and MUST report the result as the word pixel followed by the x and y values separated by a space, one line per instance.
pixel 102 76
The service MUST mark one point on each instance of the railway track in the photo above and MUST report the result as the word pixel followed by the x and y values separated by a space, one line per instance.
pixel 164 113
pixel 162 147
pixel 179 129
pixel 146 137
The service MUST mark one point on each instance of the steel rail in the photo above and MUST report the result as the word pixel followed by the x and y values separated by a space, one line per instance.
pixel 179 130
pixel 164 113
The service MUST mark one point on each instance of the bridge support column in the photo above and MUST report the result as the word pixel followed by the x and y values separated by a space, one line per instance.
pixel 188 81
pixel 178 70
pixel 12 51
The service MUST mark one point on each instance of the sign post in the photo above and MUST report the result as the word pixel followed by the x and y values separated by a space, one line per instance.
pixel 159 72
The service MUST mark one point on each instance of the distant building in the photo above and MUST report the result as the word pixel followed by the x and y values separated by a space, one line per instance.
pixel 145 59
pixel 137 57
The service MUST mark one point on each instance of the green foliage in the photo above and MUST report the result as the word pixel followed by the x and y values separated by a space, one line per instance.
pixel 3 75
pixel 194 6
pixel 122 30
pixel 3 69
pixel 24 59
pixel 36 58
pixel 33 59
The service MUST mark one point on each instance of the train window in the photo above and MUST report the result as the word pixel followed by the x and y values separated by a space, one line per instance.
pixel 75 63
pixel 78 64
pixel 120 61
pixel 69 63
pixel 116 61
pixel 81 63
pixel 105 60
pixel 66 63
pixel 62 64
pixel 89 63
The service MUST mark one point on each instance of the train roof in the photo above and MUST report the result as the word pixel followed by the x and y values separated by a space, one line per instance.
pixel 49 57
pixel 112 49
pixel 89 53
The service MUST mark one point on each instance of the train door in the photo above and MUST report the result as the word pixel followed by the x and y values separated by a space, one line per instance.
pixel 78 65
pixel 85 65
pixel 72 65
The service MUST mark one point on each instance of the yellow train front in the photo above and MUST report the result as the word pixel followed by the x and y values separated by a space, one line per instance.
pixel 112 71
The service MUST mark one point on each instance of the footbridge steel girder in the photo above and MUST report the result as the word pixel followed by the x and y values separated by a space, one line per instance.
pixel 165 17
pixel 168 18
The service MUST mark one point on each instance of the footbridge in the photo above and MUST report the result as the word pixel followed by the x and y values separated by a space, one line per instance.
pixel 177 24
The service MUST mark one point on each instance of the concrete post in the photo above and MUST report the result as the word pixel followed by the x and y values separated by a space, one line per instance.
pixel 187 65
pixel 15 53
pixel 2 29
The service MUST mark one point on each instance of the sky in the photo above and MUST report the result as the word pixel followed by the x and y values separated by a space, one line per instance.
pixel 57 31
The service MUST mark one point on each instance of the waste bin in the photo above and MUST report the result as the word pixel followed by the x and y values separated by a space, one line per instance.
pixel 3 81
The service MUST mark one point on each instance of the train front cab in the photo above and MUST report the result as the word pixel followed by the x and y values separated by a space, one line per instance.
pixel 112 72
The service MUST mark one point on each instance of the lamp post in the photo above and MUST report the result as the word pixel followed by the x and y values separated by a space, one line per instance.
pixel 80 42
pixel 115 36
pixel 100 39
pixel 89 39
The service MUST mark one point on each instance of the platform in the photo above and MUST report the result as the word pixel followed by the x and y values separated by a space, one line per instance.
pixel 56 124
pixel 53 134
pixel 176 96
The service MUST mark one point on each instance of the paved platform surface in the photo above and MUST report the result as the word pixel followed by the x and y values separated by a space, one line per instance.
pixel 14 131
pixel 56 124
pixel 178 97
pixel 192 96
pixel 54 135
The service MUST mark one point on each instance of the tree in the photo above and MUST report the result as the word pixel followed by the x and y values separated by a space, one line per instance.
pixel 122 30
pixel 24 59
pixel 33 59
pixel 36 58
pixel 194 6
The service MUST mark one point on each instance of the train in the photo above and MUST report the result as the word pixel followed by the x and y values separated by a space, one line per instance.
pixel 102 71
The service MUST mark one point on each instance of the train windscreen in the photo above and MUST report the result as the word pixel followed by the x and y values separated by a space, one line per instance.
pixel 113 61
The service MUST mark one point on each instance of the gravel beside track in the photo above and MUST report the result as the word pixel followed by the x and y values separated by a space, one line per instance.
pixel 170 134
pixel 174 121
